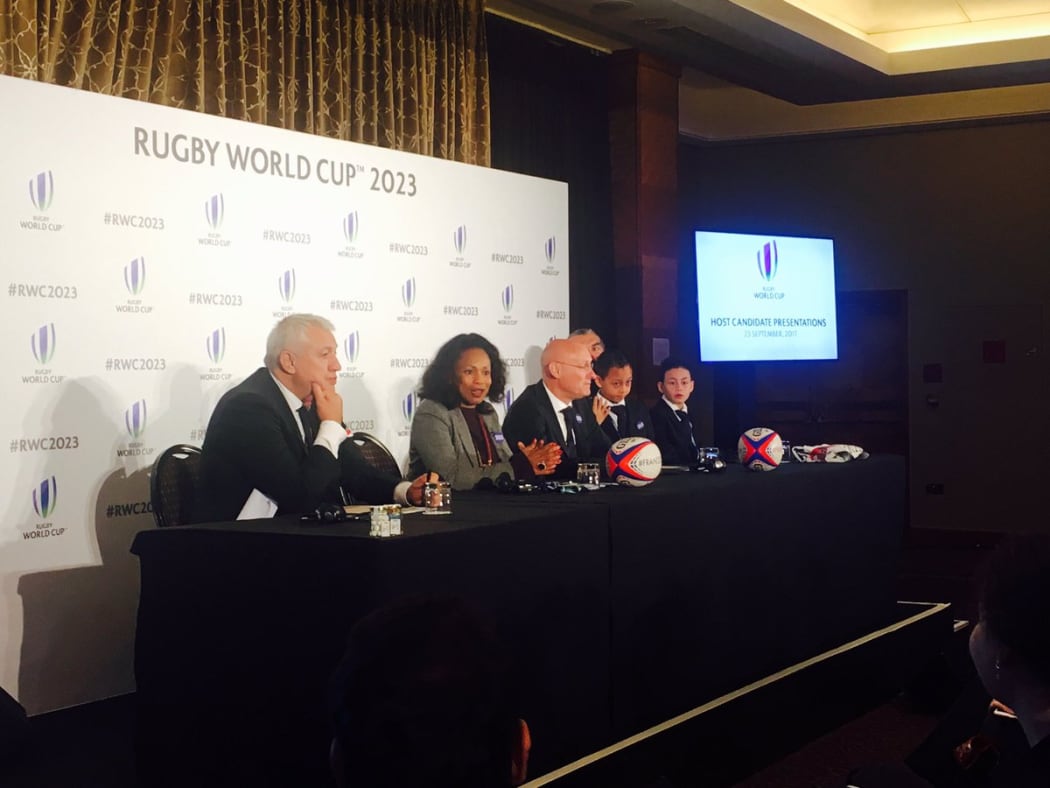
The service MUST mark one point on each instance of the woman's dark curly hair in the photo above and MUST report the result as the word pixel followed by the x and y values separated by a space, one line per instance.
pixel 439 382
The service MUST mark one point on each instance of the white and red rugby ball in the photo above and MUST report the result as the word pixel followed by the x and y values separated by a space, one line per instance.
pixel 760 449
pixel 633 461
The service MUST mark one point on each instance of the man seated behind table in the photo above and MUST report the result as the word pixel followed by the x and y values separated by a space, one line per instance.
pixel 628 418
pixel 426 696
pixel 589 339
pixel 672 424
pixel 276 443
pixel 456 431
pixel 555 410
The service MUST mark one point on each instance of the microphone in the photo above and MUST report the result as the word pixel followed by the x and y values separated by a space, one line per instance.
pixel 326 513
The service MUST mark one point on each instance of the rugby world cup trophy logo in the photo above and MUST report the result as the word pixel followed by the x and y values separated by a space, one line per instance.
pixel 214 209
pixel 286 285
pixel 767 261
pixel 216 345
pixel 506 298
pixel 459 239
pixel 135 275
pixel 352 347
pixel 508 397
pixel 408 292
pixel 408 407
pixel 135 419
pixel 43 343
pixel 550 249
pixel 42 190
pixel 45 496
pixel 351 225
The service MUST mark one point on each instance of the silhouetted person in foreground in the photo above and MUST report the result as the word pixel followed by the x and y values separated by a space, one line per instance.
pixel 1010 647
pixel 424 697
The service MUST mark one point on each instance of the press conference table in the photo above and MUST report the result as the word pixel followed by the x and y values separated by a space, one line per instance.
pixel 623 606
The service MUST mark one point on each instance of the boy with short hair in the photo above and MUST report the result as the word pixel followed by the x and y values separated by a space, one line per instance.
pixel 627 417
pixel 671 422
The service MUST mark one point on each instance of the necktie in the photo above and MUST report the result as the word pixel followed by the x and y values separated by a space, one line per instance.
pixel 618 430
pixel 570 437
pixel 684 417
pixel 307 418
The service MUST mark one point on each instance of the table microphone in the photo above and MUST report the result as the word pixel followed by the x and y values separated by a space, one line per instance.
pixel 326 513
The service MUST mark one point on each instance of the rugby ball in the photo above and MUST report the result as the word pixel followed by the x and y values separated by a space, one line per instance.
pixel 760 449
pixel 633 461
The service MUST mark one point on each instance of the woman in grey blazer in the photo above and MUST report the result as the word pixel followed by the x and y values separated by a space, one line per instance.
pixel 456 432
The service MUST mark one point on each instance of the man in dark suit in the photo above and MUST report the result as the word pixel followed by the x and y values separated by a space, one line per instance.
pixel 555 410
pixel 627 417
pixel 672 424
pixel 276 443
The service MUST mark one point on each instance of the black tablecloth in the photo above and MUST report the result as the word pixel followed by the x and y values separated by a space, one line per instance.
pixel 623 606
pixel 720 580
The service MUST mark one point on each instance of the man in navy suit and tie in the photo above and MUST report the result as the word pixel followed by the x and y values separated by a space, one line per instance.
pixel 276 443
pixel 556 409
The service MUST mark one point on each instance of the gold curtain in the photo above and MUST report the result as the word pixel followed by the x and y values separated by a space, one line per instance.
pixel 404 74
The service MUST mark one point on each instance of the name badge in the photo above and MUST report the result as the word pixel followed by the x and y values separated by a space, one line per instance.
pixel 497 437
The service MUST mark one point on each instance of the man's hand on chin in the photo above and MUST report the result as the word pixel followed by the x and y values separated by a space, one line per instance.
pixel 415 490
pixel 327 403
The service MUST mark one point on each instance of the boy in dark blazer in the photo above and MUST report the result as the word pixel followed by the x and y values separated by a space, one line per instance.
pixel 627 417
pixel 671 422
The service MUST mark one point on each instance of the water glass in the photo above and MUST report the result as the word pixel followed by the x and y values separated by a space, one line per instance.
pixel 589 473
pixel 437 498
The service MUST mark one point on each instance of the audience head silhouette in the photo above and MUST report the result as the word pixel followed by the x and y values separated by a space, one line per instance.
pixel 423 697
pixel 1010 644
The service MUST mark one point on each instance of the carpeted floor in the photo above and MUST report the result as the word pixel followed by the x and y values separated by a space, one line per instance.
pixel 935 566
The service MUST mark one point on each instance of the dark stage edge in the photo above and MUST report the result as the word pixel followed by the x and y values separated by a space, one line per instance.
pixel 741 732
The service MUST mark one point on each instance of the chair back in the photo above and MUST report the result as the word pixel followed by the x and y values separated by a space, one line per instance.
pixel 173 485
pixel 376 453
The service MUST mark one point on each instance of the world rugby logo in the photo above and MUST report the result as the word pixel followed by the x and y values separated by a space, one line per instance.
pixel 408 406
pixel 135 418
pixel 352 346
pixel 45 496
pixel 214 210
pixel 135 275
pixel 286 285
pixel 350 227
pixel 42 190
pixel 43 343
pixel 216 345
pixel 767 261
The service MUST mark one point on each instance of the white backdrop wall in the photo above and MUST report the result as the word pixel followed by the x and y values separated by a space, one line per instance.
pixel 146 253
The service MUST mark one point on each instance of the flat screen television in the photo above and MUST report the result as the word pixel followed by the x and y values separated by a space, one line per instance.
pixel 765 297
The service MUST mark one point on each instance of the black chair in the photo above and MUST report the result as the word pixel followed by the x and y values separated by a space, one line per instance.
pixel 173 485
pixel 376 453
